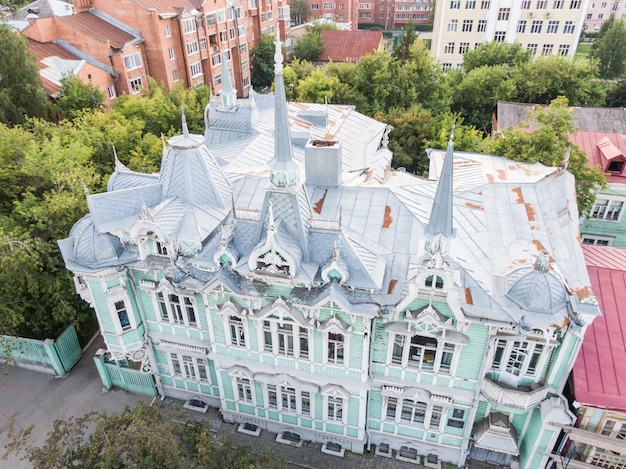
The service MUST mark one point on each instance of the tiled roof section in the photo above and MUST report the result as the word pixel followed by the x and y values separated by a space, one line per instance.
pixel 171 6
pixel 591 143
pixel 49 73
pixel 41 50
pixel 349 46
pixel 593 119
pixel 600 369
pixel 97 28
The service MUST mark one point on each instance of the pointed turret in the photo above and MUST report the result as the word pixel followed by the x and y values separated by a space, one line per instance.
pixel 440 221
pixel 284 172
pixel 229 93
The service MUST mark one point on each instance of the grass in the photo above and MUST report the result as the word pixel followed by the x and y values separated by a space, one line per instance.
pixel 583 49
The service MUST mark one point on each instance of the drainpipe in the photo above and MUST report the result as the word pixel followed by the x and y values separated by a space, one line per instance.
pixel 369 374
pixel 146 337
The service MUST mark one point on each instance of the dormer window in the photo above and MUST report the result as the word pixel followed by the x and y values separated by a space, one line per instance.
pixel 434 281
pixel 273 262
pixel 615 167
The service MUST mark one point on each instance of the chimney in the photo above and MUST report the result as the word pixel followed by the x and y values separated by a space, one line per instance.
pixel 322 163
pixel 83 5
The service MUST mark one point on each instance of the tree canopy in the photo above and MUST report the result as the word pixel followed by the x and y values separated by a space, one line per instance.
pixel 308 47
pixel 299 10
pixel 262 62
pixel 610 48
pixel 496 53
pixel 140 437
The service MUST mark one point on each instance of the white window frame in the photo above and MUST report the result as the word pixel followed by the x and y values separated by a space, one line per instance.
pixel 607 209
pixel 453 26
pixel 112 92
pixel 136 85
pixel 289 399
pixel 521 26
pixel 569 27
pixel 401 346
pixel 192 47
pixel 119 295
pixel 195 69
pixel 276 333
pixel 553 27
pixel 189 25
pixel 237 331
pixel 244 389
pixel 168 31
pixel 175 76
pixel 336 351
pixel 171 53
pixel 594 240
pixel 564 50
pixel 176 309
pixel 467 26
pixel 482 26
pixel 517 356
pixel 132 61
pixel 417 413
pixel 189 367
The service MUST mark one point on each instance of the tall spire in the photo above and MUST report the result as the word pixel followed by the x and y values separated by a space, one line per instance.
pixel 228 94
pixel 184 123
pixel 284 172
pixel 440 221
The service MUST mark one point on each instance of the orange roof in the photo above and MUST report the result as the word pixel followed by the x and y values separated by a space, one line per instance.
pixel 349 46
pixel 98 28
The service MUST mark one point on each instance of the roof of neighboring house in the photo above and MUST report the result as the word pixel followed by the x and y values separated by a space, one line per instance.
pixel 171 6
pixel 44 9
pixel 349 46
pixel 593 119
pixel 97 27
pixel 600 369
pixel 601 148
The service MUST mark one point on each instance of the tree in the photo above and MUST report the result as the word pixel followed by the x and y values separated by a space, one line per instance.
pixel 316 88
pixel 546 78
pixel 617 96
pixel 299 11
pixel 308 47
pixel 262 62
pixel 77 97
pixel 549 144
pixel 496 53
pixel 402 50
pixel 141 437
pixel 610 49
pixel 21 93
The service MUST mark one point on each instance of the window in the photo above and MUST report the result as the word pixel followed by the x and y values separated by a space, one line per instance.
pixel 237 331
pixel 132 61
pixel 189 367
pixel 231 33
pixel 203 43
pixel 223 36
pixel 217 79
pixel 482 26
pixel 520 359
pixel 615 166
pixel 574 4
pixel 467 26
pixel 244 389
pixel 221 17
pixel 335 348
pixel 525 4
pixel 199 23
pixel 569 27
pixel 328 5
pixel 216 59
pixel 243 48
pixel 605 209
pixel 196 69
pixel 315 6
pixel 176 309
pixel 286 339
pixel 558 4
pixel 596 240
pixel 455 4
pixel 553 27
pixel 452 25
pixel 485 4
pixel 600 16
pixel 136 85
pixel 112 92
pixel 503 14
pixel 463 47
pixel 244 66
pixel 245 82
pixel 615 7
pixel 532 48
pixel 175 75
pixel 189 25
pixel 470 4
pixel 521 26
pixel 122 315
pixel 564 50
pixel 192 47
pixel 446 66
pixel 457 420
pixel 499 36
pixel 547 49
pixel 335 409
pixel 168 32
pixel 542 4
pixel 536 27
pixel 449 48
pixel 413 412
pixel 171 52
pixel 422 352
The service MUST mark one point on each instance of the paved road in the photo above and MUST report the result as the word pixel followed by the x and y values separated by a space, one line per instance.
pixel 31 397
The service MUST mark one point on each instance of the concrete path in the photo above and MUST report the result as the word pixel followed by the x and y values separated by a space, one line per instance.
pixel 31 397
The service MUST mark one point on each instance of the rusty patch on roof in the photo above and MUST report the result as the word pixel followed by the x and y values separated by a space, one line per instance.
pixel 387 219
pixel 501 174
pixel 476 206
pixel 584 293
pixel 518 192
pixel 490 177
pixel 468 297
pixel 368 175
pixel 530 211
pixel 539 246
pixel 392 285
pixel 317 206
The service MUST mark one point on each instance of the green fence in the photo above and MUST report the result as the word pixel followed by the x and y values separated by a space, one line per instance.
pixel 113 375
pixel 59 355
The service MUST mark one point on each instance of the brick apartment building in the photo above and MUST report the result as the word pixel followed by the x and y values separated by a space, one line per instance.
pixel 393 14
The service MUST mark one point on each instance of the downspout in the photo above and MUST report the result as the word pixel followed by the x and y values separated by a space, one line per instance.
pixel 181 33
pixel 369 374
pixel 147 338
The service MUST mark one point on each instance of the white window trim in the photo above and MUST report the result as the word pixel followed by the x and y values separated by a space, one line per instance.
pixel 442 347
pixel 336 392
pixel 509 343
pixel 595 239
pixel 169 306
pixel 441 402
pixel 245 331
pixel 114 295
pixel 609 199
pixel 132 61
pixel 168 31
pixel 183 369
pixel 274 326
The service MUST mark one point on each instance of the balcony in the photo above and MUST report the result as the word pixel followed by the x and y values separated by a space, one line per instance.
pixel 513 397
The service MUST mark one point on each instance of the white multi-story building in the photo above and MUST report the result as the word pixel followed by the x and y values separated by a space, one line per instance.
pixel 545 27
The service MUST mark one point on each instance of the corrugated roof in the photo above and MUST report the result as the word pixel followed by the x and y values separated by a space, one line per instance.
pixel 97 28
pixel 590 143
pixel 600 369
pixel 349 46
pixel 171 6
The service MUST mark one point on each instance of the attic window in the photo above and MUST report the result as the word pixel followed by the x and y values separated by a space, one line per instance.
pixel 273 262
pixel 438 281
pixel 615 166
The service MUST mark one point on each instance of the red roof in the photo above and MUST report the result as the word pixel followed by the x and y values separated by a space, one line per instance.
pixel 602 147
pixel 600 368
pixel 98 28
pixel 349 46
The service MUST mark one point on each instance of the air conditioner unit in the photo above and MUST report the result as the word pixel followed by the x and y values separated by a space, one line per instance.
pixel 531 14
pixel 548 15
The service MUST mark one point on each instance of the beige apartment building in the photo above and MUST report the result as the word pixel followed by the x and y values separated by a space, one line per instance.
pixel 545 27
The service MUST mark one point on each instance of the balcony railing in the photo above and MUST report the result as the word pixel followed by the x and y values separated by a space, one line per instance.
pixel 516 398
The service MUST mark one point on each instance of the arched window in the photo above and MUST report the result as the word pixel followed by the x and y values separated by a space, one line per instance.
pixel 434 280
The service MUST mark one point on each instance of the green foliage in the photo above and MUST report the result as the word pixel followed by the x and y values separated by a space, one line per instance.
pixel 141 437
pixel 496 53
pixel 319 26
pixel 21 94
pixel 262 62
pixel 402 50
pixel 610 48
pixel 549 145
pixel 300 11
pixel 615 98
pixel 316 88
pixel 77 97
pixel 546 78
pixel 308 47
